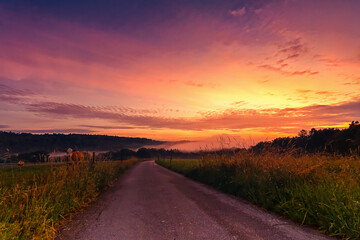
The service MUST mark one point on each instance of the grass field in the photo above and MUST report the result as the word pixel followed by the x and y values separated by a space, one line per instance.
pixel 316 190
pixel 35 200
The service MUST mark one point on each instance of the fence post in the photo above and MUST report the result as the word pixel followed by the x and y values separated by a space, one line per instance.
pixel 92 161
pixel 171 151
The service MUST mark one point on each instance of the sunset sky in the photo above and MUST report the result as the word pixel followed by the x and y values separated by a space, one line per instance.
pixel 179 70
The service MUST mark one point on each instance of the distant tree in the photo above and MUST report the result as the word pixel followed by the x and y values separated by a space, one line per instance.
pixel 302 133
pixel 353 124
pixel 143 153
pixel 313 132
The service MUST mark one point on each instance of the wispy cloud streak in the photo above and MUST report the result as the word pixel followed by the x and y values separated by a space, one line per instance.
pixel 230 119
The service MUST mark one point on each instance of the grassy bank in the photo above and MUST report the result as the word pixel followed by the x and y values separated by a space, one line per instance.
pixel 35 200
pixel 316 190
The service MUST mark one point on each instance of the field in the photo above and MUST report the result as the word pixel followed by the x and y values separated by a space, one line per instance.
pixel 318 190
pixel 35 200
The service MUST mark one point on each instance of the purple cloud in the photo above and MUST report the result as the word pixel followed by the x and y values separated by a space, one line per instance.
pixel 238 12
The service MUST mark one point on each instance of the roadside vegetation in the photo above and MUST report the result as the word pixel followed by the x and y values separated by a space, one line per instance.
pixel 313 178
pixel 36 199
pixel 318 190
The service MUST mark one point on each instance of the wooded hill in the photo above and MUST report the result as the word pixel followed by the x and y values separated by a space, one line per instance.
pixel 329 140
pixel 26 142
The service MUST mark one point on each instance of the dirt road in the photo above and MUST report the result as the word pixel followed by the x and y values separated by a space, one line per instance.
pixel 151 202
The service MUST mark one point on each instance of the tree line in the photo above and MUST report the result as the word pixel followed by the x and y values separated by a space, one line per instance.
pixel 328 140
pixel 27 142
pixel 36 148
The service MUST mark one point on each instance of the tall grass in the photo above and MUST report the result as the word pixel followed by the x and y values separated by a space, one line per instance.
pixel 35 200
pixel 318 190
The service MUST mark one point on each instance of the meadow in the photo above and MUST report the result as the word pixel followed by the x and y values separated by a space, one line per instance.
pixel 36 199
pixel 317 190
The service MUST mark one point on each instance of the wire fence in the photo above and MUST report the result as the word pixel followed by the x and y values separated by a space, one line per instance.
pixel 3 156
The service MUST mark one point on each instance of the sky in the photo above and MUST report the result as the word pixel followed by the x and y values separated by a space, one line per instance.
pixel 176 70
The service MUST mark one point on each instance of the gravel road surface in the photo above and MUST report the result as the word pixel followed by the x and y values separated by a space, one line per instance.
pixel 151 202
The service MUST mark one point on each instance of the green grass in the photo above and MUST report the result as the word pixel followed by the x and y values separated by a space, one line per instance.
pixel 315 190
pixel 13 175
pixel 35 200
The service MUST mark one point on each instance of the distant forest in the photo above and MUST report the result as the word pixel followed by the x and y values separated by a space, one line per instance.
pixel 328 140
pixel 26 142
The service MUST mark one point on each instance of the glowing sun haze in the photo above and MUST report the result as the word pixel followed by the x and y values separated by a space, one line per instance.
pixel 179 70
